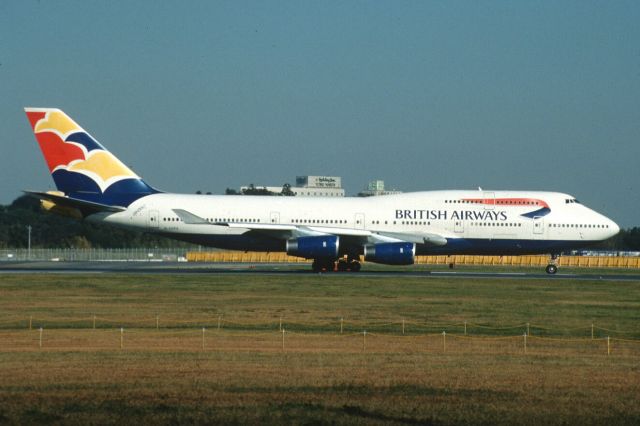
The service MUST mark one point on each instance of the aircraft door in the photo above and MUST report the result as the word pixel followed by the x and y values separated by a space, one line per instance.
pixel 489 200
pixel 274 217
pixel 359 221
pixel 538 226
pixel 153 219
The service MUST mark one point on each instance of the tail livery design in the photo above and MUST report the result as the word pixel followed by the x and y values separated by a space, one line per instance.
pixel 82 168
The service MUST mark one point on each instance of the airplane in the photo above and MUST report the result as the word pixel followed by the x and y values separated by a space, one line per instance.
pixel 93 185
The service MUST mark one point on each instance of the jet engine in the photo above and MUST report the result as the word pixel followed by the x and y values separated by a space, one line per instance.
pixel 320 247
pixel 390 253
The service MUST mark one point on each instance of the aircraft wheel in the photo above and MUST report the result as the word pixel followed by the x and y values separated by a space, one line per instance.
pixel 321 265
pixel 355 266
pixel 551 269
pixel 343 266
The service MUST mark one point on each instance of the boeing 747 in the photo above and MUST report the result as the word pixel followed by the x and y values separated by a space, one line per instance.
pixel 95 186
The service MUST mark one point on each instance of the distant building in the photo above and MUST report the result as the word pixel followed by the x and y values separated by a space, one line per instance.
pixel 376 187
pixel 311 186
pixel 319 186
pixel 319 181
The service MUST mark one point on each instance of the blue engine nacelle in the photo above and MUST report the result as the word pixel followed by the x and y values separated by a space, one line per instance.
pixel 321 247
pixel 391 253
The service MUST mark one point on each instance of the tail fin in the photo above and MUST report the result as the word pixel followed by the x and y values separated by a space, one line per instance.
pixel 82 168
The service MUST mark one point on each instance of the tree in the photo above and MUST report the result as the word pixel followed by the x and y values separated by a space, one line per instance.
pixel 286 190
pixel 631 239
pixel 252 190
pixel 54 231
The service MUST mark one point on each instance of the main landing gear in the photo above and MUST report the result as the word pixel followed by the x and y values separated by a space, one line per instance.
pixel 330 265
pixel 322 265
pixel 552 267
pixel 351 265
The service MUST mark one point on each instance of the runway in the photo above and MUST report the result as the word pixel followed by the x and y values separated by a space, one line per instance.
pixel 168 268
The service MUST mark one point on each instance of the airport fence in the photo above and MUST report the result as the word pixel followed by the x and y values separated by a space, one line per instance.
pixel 629 262
pixel 337 325
pixel 93 254
pixel 191 255
pixel 400 336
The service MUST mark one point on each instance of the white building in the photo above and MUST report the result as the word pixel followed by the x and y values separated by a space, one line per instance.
pixel 319 186
pixel 311 186
pixel 376 187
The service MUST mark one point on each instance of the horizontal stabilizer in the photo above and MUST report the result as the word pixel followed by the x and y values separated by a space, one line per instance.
pixel 86 207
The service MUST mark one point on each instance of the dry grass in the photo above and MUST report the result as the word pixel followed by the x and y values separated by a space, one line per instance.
pixel 81 376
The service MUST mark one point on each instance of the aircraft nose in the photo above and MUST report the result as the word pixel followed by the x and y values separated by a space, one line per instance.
pixel 613 227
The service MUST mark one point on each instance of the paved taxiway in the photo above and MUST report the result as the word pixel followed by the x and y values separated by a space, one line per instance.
pixel 276 269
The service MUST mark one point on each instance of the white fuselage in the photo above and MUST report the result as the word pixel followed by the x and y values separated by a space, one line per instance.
pixel 491 222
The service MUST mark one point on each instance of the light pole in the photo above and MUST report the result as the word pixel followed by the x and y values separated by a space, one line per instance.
pixel 29 242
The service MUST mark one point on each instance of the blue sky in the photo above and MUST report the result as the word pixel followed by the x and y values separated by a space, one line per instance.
pixel 426 95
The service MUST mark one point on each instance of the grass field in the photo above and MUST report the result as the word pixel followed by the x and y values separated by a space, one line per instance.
pixel 243 375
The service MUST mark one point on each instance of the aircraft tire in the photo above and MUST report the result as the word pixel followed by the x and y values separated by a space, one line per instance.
pixel 323 265
pixel 551 269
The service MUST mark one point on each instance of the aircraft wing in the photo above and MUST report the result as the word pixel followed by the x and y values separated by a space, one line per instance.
pixel 427 238
pixel 296 231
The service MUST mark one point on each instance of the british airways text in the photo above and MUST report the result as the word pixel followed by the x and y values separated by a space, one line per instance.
pixel 454 215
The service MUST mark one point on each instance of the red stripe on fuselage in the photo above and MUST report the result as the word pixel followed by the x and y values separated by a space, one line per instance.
pixel 509 201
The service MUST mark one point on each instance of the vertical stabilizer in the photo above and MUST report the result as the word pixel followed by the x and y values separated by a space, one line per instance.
pixel 80 166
